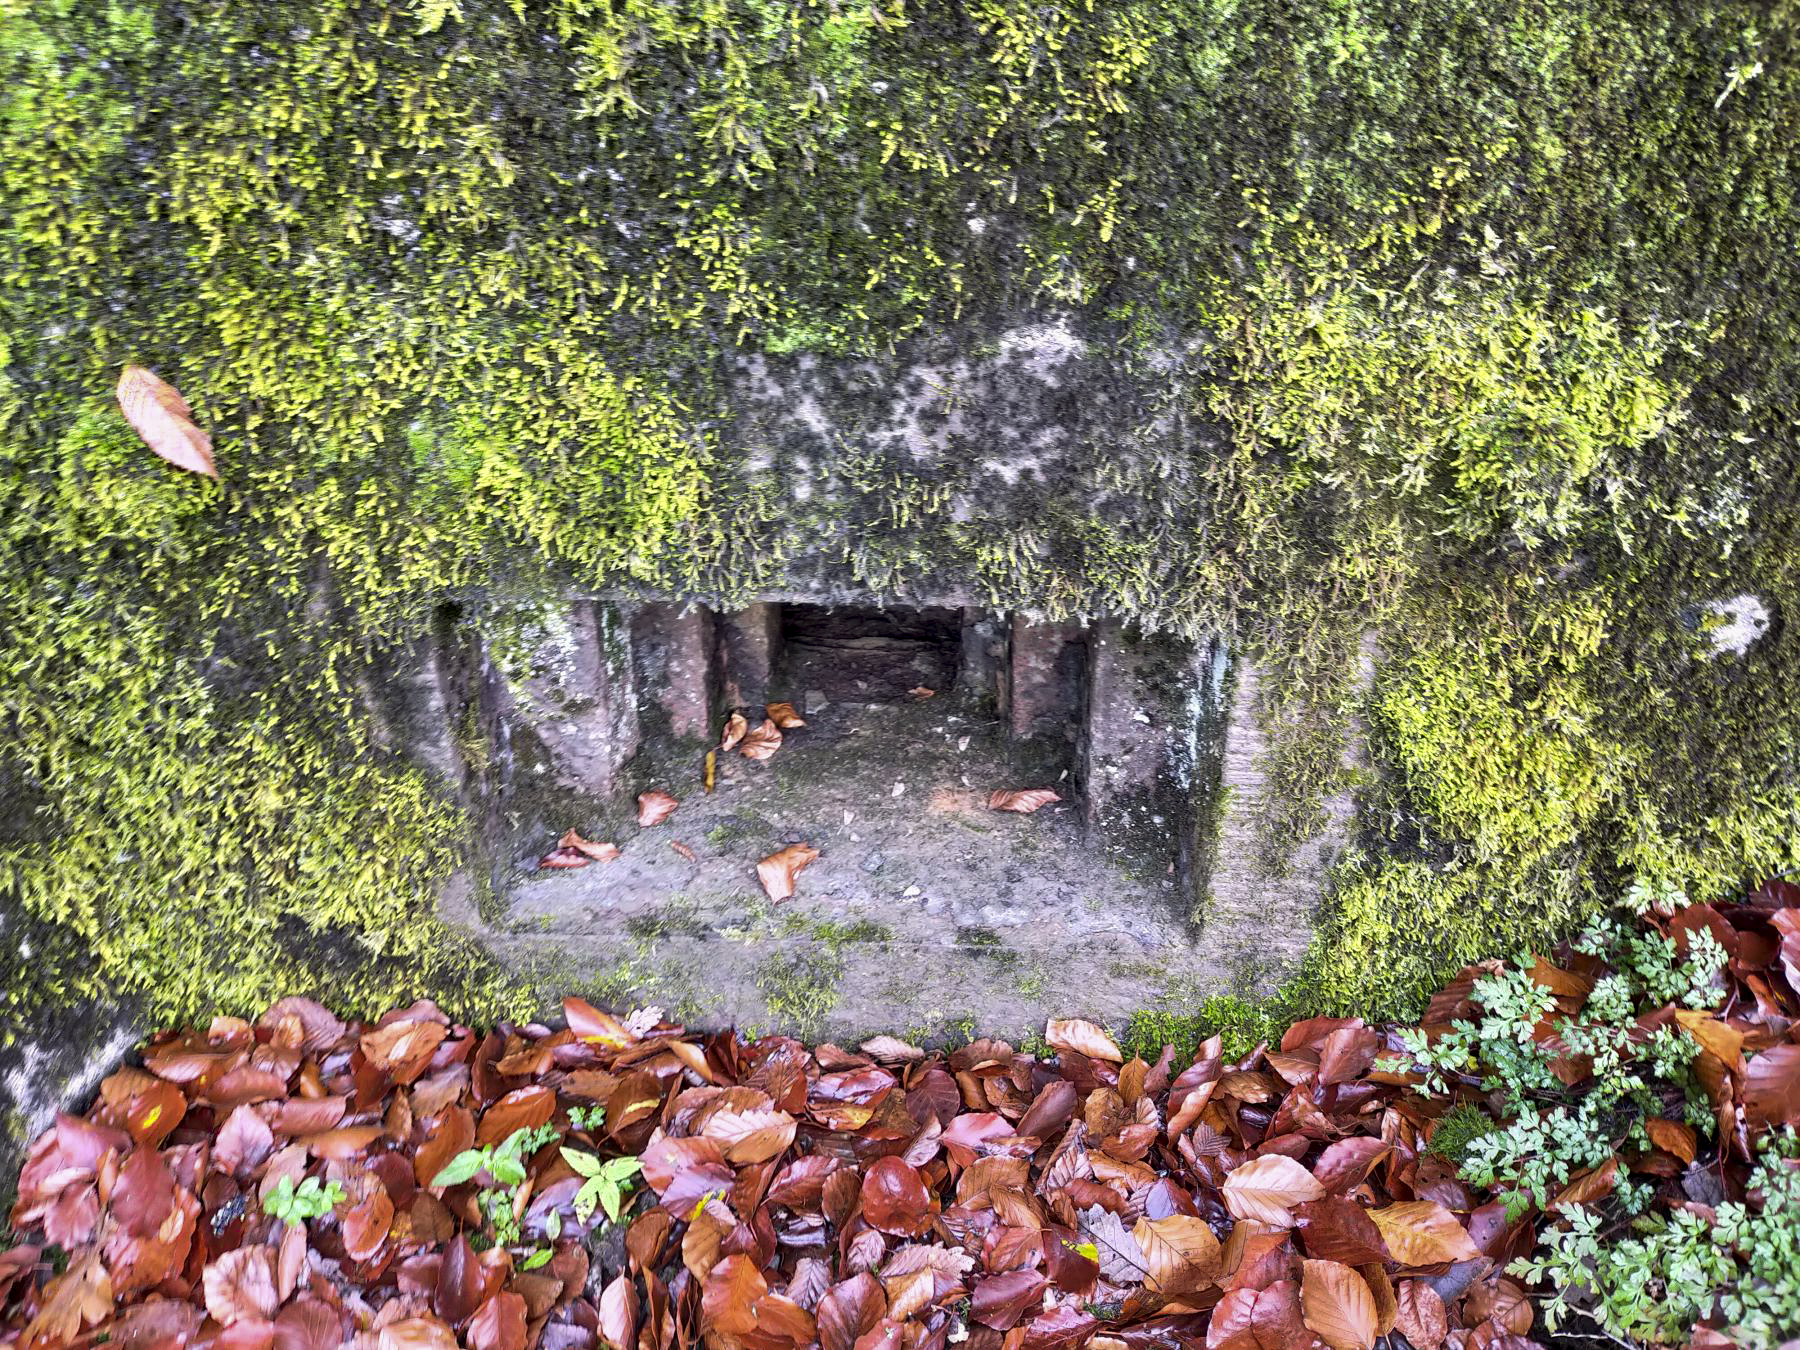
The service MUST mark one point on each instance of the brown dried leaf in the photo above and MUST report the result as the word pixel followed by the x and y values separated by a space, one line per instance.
pixel 1337 1304
pixel 618 1312
pixel 778 870
pixel 1420 1314
pixel 655 807
pixel 240 1286
pixel 1673 1137
pixel 1772 1087
pixel 735 729
pixel 784 716
pixel 81 1296
pixel 162 419
pixel 598 852
pixel 751 1136
pixel 1423 1233
pixel 1084 1038
pixel 1266 1189
pixel 729 1295
pixel 1024 801
pixel 499 1325
pixel 761 742
pixel 1181 1253
pixel 895 1198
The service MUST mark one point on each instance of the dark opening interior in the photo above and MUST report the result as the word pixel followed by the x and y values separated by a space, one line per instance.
pixel 854 653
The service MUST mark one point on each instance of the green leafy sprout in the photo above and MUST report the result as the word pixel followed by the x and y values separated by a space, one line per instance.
pixel 606 1184
pixel 294 1205
pixel 505 1163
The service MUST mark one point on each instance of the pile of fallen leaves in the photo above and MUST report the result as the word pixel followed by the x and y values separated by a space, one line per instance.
pixel 413 1184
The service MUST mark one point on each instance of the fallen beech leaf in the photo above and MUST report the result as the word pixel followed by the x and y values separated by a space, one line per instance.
pixel 596 1027
pixel 1024 801
pixel 416 1333
pixel 1084 1038
pixel 240 1286
pixel 1420 1316
pixel 1586 1187
pixel 144 1195
pixel 895 1198
pixel 891 1050
pixel 784 716
pixel 849 1311
pixel 1423 1233
pixel 1266 1189
pixel 1181 1253
pixel 778 870
pixel 684 850
pixel 1266 1319
pixel 752 1136
pixel 764 741
pixel 308 1324
pixel 244 1140
pixel 81 1296
pixel 1000 1300
pixel 729 1296
pixel 1772 1086
pixel 1122 1260
pixel 523 1108
pixel 563 858
pixel 367 1217
pixel 618 1311
pixel 402 1048
pixel 1673 1137
pixel 1335 1229
pixel 735 728
pixel 597 851
pixel 500 1325
pixel 1337 1304
pixel 162 419
pixel 921 692
pixel 655 807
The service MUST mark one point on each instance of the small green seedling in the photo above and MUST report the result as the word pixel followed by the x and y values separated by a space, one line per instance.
pixel 606 1184
pixel 504 1162
pixel 294 1205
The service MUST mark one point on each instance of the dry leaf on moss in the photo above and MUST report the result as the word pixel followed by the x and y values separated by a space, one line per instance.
pixel 162 419
pixel 784 716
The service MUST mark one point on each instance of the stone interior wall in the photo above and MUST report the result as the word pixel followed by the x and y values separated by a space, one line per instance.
pixel 1155 740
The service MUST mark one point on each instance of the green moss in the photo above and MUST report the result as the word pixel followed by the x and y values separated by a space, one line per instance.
pixel 1459 1127
pixel 1241 1026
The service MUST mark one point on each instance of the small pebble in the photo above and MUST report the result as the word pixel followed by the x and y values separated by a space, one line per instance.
pixel 874 862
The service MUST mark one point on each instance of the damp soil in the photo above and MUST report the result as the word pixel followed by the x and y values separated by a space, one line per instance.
pixel 924 911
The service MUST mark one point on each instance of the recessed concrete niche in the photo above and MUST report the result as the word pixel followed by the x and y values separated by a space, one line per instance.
pixel 1141 884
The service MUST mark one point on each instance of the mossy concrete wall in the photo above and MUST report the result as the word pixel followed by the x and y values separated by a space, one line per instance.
pixel 1469 323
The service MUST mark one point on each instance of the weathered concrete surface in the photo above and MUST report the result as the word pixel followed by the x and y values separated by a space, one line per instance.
pixel 574 688
pixel 751 641
pixel 1048 674
pixel 675 659
pixel 1148 715
pixel 1255 917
